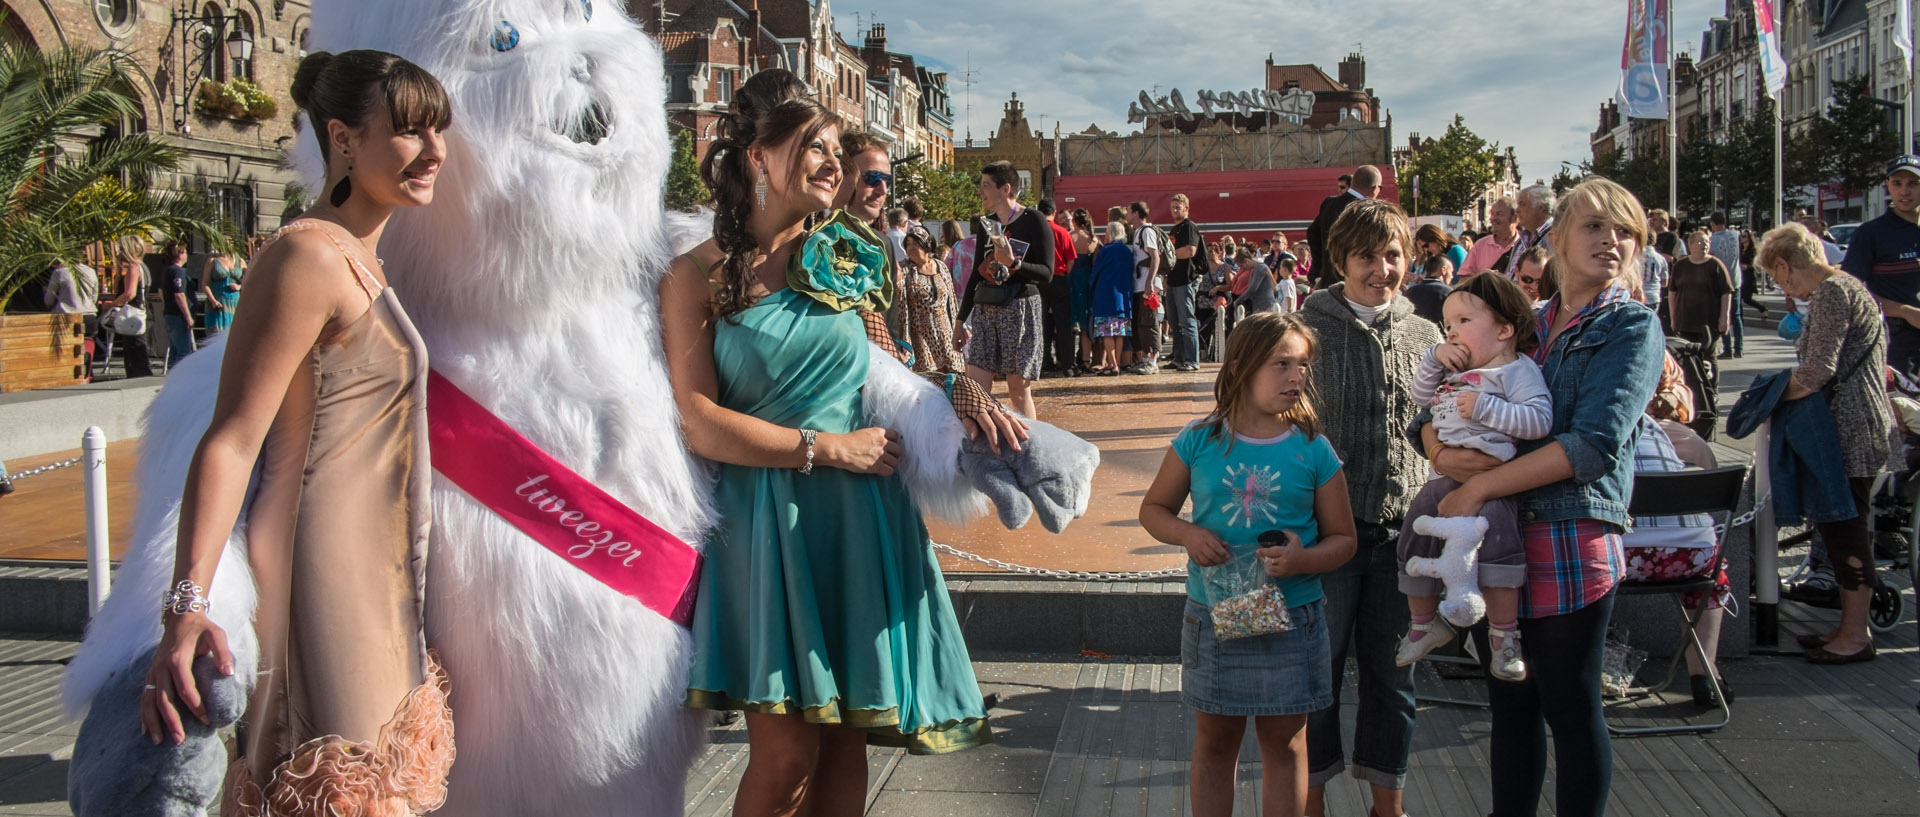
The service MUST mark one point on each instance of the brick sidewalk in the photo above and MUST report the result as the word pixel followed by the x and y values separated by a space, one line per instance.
pixel 1092 735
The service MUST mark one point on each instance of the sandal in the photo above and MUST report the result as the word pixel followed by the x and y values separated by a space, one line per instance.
pixel 1821 655
pixel 1812 641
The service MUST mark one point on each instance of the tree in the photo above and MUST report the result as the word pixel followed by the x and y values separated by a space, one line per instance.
pixel 1853 133
pixel 1453 170
pixel 58 204
pixel 685 190
pixel 944 192
pixel 1643 174
pixel 1698 172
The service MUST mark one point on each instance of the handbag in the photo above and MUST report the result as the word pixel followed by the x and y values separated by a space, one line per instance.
pixel 126 319
pixel 997 294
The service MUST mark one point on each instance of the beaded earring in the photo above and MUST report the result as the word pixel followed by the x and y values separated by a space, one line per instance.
pixel 760 189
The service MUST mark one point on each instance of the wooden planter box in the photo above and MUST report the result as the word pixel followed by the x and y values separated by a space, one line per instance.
pixel 41 351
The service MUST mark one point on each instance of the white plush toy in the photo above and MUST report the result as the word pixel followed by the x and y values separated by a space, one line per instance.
pixel 1457 566
pixel 533 279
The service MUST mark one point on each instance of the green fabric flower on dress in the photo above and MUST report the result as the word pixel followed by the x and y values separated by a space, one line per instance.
pixel 842 263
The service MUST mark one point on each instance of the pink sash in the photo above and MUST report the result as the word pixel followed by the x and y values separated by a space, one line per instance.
pixel 556 507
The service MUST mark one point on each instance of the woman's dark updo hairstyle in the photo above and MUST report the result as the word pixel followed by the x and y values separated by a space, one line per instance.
pixel 347 86
pixel 768 109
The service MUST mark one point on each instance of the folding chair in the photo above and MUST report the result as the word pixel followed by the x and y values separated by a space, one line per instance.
pixel 1679 493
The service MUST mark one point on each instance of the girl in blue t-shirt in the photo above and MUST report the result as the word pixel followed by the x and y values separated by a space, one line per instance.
pixel 1256 464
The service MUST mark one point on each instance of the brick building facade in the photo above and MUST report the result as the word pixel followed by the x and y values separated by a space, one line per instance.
pixel 236 161
pixel 714 45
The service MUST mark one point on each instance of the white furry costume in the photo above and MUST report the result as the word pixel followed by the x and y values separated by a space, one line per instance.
pixel 534 281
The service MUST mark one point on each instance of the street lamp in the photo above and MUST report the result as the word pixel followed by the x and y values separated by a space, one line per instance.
pixel 202 31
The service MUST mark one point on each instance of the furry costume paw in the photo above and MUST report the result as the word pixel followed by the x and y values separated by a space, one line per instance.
pixel 1457 567
pixel 118 772
pixel 1052 474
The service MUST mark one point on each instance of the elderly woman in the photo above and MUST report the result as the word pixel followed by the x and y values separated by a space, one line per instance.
pixel 1573 487
pixel 1842 351
pixel 926 293
pixel 1370 346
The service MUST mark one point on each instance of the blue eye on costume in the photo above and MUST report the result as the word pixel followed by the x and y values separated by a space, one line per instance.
pixel 586 8
pixel 505 36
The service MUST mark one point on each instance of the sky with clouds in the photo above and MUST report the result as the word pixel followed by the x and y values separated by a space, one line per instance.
pixel 1526 73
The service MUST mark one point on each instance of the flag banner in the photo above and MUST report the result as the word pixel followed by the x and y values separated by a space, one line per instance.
pixel 1773 69
pixel 1643 61
pixel 1903 35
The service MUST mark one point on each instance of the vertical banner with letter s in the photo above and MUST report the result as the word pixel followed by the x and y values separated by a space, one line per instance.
pixel 1643 61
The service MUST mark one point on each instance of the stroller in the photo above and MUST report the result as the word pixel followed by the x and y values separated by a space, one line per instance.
pixel 1702 374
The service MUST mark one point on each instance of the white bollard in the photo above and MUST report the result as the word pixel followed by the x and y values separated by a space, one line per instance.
pixel 93 447
pixel 1766 535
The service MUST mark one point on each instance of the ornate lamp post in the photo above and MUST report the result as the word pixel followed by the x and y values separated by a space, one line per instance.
pixel 202 32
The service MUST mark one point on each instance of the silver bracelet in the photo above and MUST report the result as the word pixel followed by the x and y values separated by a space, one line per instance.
pixel 185 597
pixel 808 437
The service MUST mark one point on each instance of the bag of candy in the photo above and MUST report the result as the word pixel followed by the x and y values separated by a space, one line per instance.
pixel 1243 599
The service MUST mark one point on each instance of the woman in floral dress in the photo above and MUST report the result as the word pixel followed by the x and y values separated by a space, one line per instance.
pixel 926 288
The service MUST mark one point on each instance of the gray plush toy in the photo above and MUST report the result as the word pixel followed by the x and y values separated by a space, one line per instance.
pixel 119 772
pixel 1052 473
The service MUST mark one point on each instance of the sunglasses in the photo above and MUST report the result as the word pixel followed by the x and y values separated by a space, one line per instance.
pixel 1528 279
pixel 875 178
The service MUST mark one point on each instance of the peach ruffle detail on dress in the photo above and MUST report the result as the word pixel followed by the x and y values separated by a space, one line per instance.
pixel 402 772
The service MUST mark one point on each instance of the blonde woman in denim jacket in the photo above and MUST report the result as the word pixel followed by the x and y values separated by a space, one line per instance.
pixel 1601 353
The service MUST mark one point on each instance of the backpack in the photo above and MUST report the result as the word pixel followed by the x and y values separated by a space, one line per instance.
pixel 1158 240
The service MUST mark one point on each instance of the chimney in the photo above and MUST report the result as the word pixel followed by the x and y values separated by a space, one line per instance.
pixel 877 38
pixel 1353 72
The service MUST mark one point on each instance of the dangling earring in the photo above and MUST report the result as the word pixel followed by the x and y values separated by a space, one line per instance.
pixel 344 189
pixel 760 189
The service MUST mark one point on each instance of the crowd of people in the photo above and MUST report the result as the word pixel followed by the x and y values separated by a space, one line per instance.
pixel 192 306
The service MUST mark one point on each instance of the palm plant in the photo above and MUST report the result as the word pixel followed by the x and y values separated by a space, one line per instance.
pixel 57 204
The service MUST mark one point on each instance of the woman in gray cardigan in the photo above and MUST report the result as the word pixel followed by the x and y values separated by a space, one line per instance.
pixel 1370 345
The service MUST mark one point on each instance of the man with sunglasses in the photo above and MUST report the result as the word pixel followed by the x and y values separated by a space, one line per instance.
pixel 865 183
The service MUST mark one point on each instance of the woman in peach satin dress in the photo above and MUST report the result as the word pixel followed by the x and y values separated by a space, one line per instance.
pixel 322 391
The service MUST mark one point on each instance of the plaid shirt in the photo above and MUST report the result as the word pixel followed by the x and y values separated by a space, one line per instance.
pixel 1613 294
pixel 1574 562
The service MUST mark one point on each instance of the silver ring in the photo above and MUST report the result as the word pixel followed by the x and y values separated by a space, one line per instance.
pixel 151 687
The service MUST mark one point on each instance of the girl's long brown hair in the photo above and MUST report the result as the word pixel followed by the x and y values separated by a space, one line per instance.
pixel 769 109
pixel 1253 340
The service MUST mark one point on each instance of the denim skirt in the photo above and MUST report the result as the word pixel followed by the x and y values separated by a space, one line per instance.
pixel 1288 673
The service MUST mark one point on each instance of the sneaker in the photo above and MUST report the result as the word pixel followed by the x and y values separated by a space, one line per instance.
pixel 1186 367
pixel 1507 663
pixel 1144 367
pixel 1436 634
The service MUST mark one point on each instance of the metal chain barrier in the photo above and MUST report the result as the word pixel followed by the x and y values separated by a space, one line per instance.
pixel 1067 575
pixel 1181 572
pixel 42 469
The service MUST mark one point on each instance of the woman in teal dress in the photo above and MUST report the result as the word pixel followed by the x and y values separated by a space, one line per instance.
pixel 220 283
pixel 821 612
